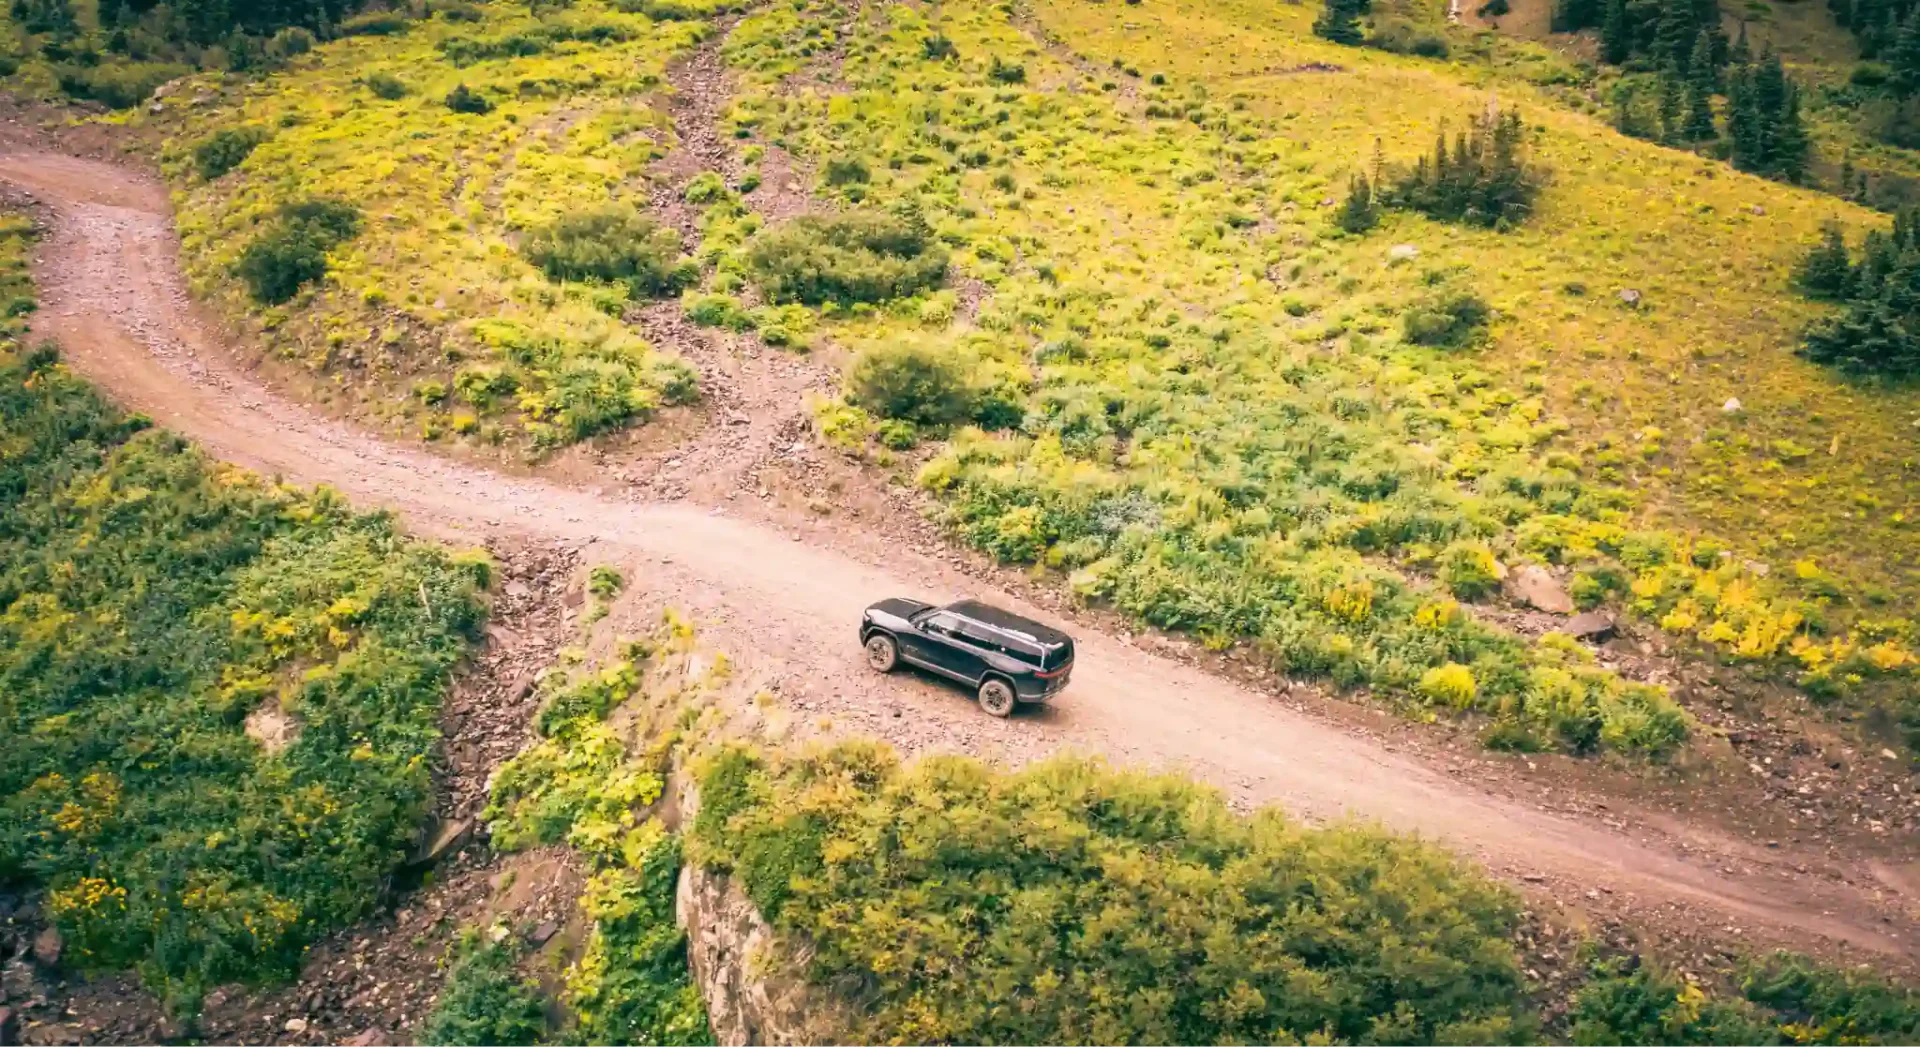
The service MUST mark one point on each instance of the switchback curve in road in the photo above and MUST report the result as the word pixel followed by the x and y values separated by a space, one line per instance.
pixel 112 295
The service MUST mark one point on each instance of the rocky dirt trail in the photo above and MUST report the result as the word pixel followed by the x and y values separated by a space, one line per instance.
pixel 113 297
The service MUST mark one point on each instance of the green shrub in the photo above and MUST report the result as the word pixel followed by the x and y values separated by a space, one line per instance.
pixel 1006 72
pixel 861 256
pixel 719 310
pixel 155 596
pixel 1127 908
pixel 291 42
pixel 486 1000
pixel 911 383
pixel 292 251
pixel 1468 570
pixel 119 85
pixel 937 48
pixel 373 23
pixel 1450 322
pixel 897 435
pixel 706 187
pixel 846 171
pixel 615 243
pixel 223 151
pixel 463 99
pixel 385 85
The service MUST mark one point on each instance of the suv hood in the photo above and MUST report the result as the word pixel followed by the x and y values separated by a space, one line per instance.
pixel 899 607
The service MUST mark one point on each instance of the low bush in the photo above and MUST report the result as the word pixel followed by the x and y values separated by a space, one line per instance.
pixel 373 23
pixel 614 243
pixel 292 251
pixel 911 383
pixel 223 151
pixel 1125 908
pixel 154 600
pixel 486 1000
pixel 1450 322
pixel 463 99
pixel 119 85
pixel 1782 998
pixel 385 85
pixel 861 256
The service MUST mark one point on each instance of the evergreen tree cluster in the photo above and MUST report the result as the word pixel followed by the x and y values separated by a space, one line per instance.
pixel 1879 332
pixel 1481 176
pixel 1887 30
pixel 1339 21
pixel 1663 33
pixel 1764 127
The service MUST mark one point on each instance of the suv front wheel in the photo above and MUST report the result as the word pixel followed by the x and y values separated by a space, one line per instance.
pixel 883 654
pixel 996 697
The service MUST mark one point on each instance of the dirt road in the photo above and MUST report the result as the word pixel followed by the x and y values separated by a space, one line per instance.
pixel 112 296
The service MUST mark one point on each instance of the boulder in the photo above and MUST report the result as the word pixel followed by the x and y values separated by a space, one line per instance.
pixel 1536 587
pixel 1630 298
pixel 445 838
pixel 1403 252
pixel 47 946
pixel 1595 626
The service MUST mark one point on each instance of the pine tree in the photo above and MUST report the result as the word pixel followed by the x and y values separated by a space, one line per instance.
pixel 1339 22
pixel 1847 174
pixel 1359 214
pixel 1792 148
pixel 1616 33
pixel 1741 53
pixel 1826 271
pixel 1670 105
pixel 1700 84
pixel 1675 33
pixel 1905 57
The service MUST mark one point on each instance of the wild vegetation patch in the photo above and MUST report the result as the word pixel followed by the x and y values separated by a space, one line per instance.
pixel 469 205
pixel 152 600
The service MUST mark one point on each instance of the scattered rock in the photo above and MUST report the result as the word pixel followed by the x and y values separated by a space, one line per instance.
pixel 369 1038
pixel 295 1025
pixel 1757 209
pixel 1403 252
pixel 47 946
pixel 271 727
pixel 446 838
pixel 1630 297
pixel 1732 405
pixel 1596 626
pixel 543 933
pixel 1536 587
pixel 1889 754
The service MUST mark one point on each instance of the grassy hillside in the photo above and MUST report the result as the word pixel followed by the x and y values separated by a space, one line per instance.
pixel 431 301
pixel 1188 390
pixel 219 694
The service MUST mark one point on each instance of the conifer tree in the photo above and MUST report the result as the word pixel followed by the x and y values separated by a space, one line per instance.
pixel 1741 53
pixel 1671 91
pixel 1673 37
pixel 1616 33
pixel 1339 22
pixel 1359 214
pixel 1701 77
pixel 1905 56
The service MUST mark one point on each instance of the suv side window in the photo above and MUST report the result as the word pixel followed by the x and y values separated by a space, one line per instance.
pixel 944 625
pixel 981 636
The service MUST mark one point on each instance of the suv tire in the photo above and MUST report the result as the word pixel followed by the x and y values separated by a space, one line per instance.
pixel 996 697
pixel 883 654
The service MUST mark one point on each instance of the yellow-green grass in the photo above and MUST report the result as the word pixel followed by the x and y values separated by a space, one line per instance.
pixel 431 297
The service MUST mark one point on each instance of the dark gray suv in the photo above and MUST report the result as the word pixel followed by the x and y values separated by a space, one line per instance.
pixel 1004 658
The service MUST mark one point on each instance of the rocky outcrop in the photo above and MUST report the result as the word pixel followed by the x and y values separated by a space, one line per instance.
pixel 756 990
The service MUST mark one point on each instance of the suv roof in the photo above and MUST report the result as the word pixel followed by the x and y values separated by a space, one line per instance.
pixel 1008 622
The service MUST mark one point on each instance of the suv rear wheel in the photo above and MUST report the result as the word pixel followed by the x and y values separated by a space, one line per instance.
pixel 883 654
pixel 996 697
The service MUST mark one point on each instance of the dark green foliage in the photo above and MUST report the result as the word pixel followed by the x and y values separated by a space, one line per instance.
pixel 1006 72
pixel 374 23
pixel 1827 270
pixel 1879 332
pixel 486 1000
pixel 1783 999
pixel 1453 321
pixel 292 251
pixel 121 85
pixel 1660 34
pixel 463 99
pixel 1071 903
pixel 1616 33
pixel 155 599
pixel 846 171
pixel 1339 22
pixel 224 150
pixel 615 243
pixel 1765 130
pixel 1359 214
pixel 938 48
pixel 860 256
pixel 1482 178
pixel 912 383
pixel 1701 78
pixel 385 85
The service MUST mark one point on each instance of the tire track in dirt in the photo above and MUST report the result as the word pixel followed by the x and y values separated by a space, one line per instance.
pixel 113 297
